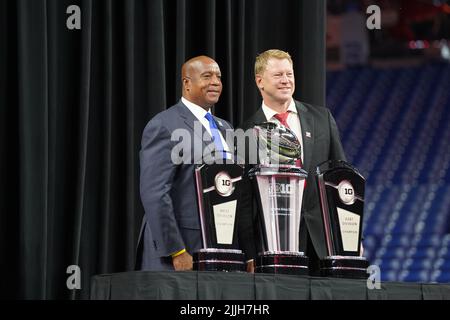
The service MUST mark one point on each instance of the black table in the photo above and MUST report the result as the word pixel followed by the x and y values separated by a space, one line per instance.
pixel 192 285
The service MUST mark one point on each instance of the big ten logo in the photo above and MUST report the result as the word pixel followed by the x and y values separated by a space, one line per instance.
pixel 346 192
pixel 280 188
pixel 224 185
pixel 226 182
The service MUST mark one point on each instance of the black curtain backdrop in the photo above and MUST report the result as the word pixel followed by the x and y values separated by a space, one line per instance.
pixel 73 104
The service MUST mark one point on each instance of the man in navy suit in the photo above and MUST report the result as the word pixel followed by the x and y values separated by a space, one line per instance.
pixel 170 230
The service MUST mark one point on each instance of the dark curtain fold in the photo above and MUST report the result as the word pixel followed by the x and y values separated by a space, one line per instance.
pixel 73 104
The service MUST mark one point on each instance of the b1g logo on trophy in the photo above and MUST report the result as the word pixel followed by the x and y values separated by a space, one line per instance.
pixel 279 183
pixel 341 189
pixel 218 195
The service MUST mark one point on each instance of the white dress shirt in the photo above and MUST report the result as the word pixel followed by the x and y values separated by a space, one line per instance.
pixel 200 113
pixel 292 120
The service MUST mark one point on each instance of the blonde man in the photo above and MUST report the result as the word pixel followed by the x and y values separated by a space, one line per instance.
pixel 317 132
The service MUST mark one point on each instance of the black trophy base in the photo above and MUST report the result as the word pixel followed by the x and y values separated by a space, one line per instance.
pixel 344 267
pixel 228 260
pixel 295 263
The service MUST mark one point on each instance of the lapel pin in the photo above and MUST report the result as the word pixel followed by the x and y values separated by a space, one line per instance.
pixel 308 134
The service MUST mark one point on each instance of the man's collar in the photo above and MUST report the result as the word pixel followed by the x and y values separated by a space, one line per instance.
pixel 269 113
pixel 198 111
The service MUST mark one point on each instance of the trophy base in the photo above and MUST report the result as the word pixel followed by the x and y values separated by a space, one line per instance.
pixel 344 267
pixel 228 260
pixel 295 263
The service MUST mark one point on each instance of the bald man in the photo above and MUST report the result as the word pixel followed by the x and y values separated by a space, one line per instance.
pixel 170 230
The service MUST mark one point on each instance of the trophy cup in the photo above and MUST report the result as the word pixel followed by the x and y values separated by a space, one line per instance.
pixel 279 185
pixel 341 189
pixel 218 195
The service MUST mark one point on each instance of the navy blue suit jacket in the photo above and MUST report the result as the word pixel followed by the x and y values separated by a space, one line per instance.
pixel 167 189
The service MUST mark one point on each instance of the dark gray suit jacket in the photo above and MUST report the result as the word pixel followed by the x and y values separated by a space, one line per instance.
pixel 171 220
pixel 321 142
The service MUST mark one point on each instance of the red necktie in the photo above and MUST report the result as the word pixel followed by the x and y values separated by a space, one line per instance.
pixel 282 117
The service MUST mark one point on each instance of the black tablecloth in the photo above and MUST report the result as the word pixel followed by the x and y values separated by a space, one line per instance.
pixel 243 286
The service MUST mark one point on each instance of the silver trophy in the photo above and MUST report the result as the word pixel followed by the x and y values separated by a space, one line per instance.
pixel 279 183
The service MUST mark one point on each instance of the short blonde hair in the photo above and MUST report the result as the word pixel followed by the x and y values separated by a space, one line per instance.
pixel 263 58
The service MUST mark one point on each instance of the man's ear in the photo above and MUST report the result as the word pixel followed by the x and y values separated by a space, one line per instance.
pixel 258 80
pixel 186 83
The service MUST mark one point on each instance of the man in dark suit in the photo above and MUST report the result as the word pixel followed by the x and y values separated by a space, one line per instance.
pixel 170 230
pixel 317 132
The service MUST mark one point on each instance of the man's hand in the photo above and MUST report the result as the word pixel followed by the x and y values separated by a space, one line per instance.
pixel 251 266
pixel 182 262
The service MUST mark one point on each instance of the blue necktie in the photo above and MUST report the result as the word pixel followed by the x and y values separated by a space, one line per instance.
pixel 215 134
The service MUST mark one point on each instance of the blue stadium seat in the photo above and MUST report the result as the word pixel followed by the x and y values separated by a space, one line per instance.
pixel 395 128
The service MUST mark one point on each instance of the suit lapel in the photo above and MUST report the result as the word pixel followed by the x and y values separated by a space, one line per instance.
pixel 259 117
pixel 189 120
pixel 307 124
pixel 220 126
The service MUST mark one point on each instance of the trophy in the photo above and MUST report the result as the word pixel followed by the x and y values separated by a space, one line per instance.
pixel 218 195
pixel 279 183
pixel 341 189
